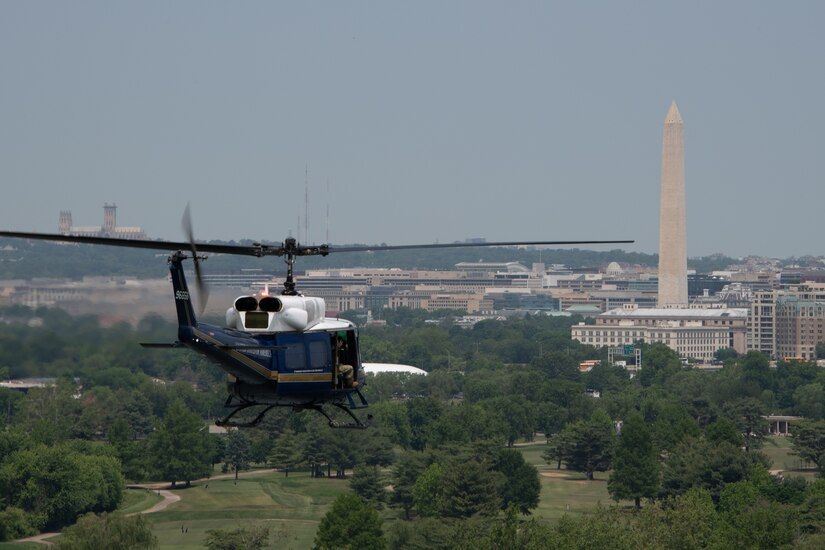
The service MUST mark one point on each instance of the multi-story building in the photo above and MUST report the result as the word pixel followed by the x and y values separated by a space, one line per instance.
pixel 761 322
pixel 788 323
pixel 693 333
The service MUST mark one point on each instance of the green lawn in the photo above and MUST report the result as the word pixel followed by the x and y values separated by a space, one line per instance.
pixel 563 491
pixel 292 506
pixel 137 500
pixel 779 450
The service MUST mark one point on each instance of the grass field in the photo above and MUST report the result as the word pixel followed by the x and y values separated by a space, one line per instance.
pixel 563 491
pixel 779 450
pixel 137 500
pixel 294 506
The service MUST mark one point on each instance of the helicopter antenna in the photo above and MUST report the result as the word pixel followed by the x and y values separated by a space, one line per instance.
pixel 306 203
pixel 327 236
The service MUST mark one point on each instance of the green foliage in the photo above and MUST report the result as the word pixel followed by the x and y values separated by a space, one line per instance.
pixel 810 401
pixel 180 446
pixel 699 463
pixel 469 488
pixel 238 450
pixel 587 446
pixel 689 522
pixel 367 483
pixel 286 451
pixel 635 473
pixel 422 413
pixel 15 524
pixel 659 363
pixel 520 486
pixel 466 423
pixel 751 521
pixel 427 491
pixel 95 531
pixel 749 416
pixel 57 484
pixel 350 523
pixel 242 538
pixel 809 442
pixel 407 469
pixel 671 423
pixel 724 431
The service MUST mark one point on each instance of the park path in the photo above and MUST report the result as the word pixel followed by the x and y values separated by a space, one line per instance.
pixel 162 490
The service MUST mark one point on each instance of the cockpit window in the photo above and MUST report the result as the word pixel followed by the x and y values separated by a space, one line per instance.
pixel 256 319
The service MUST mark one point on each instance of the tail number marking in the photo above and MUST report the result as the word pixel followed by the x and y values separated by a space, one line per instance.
pixel 181 295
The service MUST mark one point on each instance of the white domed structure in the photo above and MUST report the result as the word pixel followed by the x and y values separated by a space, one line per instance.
pixel 614 269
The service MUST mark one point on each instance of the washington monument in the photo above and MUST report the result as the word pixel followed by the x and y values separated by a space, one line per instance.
pixel 672 234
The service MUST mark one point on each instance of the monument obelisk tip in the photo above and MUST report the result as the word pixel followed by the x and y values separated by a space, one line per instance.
pixel 673 115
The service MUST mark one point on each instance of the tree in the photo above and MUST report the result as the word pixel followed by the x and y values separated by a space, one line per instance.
pixel 368 484
pixel 286 451
pixel 517 416
pixel 749 415
pixel 180 447
pixel 699 463
pixel 421 413
pixel 94 531
pixel 635 472
pixel 55 485
pixel 808 440
pixel 469 488
pixel 809 401
pixel 751 521
pixel 238 451
pixel 14 523
pixel 407 470
pixel 427 491
pixel 520 486
pixel 723 430
pixel 350 523
pixel 588 446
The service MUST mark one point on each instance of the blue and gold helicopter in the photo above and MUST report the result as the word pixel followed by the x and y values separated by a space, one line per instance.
pixel 278 351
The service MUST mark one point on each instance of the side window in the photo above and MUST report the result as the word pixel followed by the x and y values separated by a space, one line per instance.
pixel 295 357
pixel 318 354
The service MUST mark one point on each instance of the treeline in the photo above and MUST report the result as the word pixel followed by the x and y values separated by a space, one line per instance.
pixel 689 444
pixel 20 259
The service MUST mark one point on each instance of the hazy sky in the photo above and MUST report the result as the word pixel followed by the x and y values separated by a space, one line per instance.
pixel 427 121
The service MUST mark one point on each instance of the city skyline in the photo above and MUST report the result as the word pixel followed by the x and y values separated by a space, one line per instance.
pixel 531 122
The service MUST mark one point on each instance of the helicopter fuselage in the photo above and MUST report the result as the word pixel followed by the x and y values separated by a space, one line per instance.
pixel 283 368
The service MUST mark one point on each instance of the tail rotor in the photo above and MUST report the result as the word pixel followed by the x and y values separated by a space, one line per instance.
pixel 203 288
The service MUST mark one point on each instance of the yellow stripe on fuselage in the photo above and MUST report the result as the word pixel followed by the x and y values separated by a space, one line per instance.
pixel 320 377
pixel 251 363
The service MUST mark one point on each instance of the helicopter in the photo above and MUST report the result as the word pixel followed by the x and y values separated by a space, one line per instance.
pixel 277 351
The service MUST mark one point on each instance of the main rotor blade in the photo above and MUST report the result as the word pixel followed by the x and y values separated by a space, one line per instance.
pixel 279 249
pixel 382 247
pixel 169 246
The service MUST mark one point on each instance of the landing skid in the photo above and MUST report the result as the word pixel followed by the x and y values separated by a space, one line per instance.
pixel 229 423
pixel 356 423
